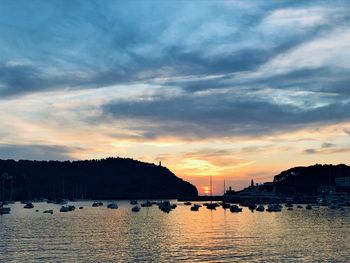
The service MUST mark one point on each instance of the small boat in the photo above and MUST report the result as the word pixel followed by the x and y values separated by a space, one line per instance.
pixel 50 211
pixel 288 204
pixel 274 208
pixel 235 209
pixel 112 205
pixel 211 206
pixel 146 204
pixel 97 204
pixel 308 207
pixel 133 202
pixel 260 208
pixel 195 208
pixel 165 206
pixel 225 205
pixel 64 209
pixel 29 206
pixel 252 206
pixel 4 210
pixel 135 209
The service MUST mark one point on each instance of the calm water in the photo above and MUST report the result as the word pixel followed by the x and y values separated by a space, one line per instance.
pixel 104 235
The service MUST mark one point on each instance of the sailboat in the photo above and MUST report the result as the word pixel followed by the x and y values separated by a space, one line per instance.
pixel 211 205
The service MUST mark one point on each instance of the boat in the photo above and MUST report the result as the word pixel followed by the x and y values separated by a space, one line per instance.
pixel 133 202
pixel 97 204
pixel 187 203
pixel 29 206
pixel 252 206
pixel 195 208
pixel 211 205
pixel 235 209
pixel 225 205
pixel 289 204
pixel 260 208
pixel 274 208
pixel 135 209
pixel 290 208
pixel 165 206
pixel 64 209
pixel 50 211
pixel 146 204
pixel 112 205
pixel 4 210
pixel 299 206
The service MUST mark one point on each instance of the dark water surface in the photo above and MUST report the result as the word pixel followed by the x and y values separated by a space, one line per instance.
pixel 104 235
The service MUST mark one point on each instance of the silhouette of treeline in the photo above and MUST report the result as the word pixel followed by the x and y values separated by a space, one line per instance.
pixel 111 178
pixel 314 179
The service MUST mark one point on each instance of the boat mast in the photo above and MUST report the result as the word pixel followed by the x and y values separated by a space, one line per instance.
pixel 211 191
pixel 224 186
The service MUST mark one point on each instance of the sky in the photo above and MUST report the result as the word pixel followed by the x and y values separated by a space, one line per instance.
pixel 236 90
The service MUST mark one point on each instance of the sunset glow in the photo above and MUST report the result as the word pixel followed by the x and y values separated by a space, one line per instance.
pixel 205 190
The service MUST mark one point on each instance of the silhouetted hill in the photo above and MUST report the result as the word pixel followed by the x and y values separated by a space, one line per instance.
pixel 314 179
pixel 111 178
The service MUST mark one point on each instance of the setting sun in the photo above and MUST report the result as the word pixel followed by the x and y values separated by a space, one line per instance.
pixel 205 189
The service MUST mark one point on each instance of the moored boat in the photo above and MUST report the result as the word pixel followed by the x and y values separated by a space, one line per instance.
pixel 260 208
pixel 274 208
pixel 29 206
pixel 146 204
pixel 4 210
pixel 112 205
pixel 135 209
pixel 64 209
pixel 235 209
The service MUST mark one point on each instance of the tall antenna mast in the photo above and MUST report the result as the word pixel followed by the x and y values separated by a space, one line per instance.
pixel 211 191
pixel 224 186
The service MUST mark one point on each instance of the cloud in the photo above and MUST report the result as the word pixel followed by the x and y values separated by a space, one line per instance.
pixel 85 45
pixel 223 114
pixel 327 145
pixel 328 148
pixel 35 152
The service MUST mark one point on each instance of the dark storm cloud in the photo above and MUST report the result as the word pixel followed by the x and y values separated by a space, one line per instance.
pixel 221 115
